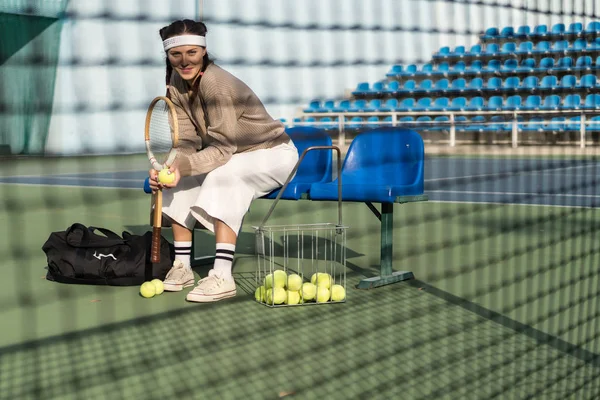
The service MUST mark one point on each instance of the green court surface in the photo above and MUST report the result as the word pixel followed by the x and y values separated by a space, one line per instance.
pixel 504 305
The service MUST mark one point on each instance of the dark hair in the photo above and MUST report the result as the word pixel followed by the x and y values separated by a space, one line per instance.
pixel 181 27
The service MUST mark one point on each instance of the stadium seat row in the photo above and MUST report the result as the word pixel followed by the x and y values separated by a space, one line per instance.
pixel 522 48
pixel 541 31
pixel 478 103
pixel 510 65
pixel 548 83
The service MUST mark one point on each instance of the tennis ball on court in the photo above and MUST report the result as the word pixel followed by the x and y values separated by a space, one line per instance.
pixel 294 282
pixel 158 285
pixel 259 294
pixel 166 176
pixel 323 294
pixel 308 291
pixel 147 290
pixel 292 297
pixel 338 293
pixel 321 279
pixel 277 279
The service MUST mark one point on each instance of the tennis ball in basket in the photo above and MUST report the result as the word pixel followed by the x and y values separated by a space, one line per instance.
pixel 147 290
pixel 158 285
pixel 308 291
pixel 166 176
pixel 277 279
pixel 323 294
pixel 338 293
pixel 294 282
pixel 276 295
pixel 292 297
pixel 321 279
pixel 259 294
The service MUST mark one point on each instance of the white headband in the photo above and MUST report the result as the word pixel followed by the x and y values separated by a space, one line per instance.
pixel 183 40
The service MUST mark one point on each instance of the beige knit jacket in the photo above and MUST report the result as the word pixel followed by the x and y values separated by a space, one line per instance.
pixel 237 121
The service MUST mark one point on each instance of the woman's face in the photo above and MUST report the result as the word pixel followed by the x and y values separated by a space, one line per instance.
pixel 187 60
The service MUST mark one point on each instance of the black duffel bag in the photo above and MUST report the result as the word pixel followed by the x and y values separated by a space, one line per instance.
pixel 80 255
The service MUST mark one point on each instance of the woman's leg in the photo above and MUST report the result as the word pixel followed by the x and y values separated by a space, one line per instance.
pixel 225 249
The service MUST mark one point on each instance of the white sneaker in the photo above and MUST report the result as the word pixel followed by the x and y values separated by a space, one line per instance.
pixel 212 288
pixel 178 277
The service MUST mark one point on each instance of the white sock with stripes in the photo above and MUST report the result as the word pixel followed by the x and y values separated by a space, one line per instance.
pixel 224 259
pixel 182 252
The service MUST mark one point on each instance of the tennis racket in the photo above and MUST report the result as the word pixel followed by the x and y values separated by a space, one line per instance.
pixel 161 136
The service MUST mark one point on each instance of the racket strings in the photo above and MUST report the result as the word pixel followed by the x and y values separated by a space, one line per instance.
pixel 161 141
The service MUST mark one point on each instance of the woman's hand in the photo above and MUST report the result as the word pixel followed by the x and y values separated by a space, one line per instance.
pixel 155 185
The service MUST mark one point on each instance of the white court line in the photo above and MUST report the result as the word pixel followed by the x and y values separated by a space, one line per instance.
pixel 68 186
pixel 509 204
pixel 65 178
pixel 514 193
pixel 505 173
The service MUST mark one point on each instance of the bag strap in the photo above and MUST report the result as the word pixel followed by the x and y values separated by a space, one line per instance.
pixel 90 239
pixel 123 281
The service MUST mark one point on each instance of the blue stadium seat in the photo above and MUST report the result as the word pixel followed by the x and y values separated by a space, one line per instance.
pixel 512 103
pixel 374 105
pixel 493 66
pixel 458 85
pixel 579 45
pixel 423 122
pixel 441 85
pixel 511 83
pixel 390 105
pixel 508 48
pixel 406 104
pixel 409 86
pixel 310 121
pixel 440 104
pixel 595 44
pixel 594 124
pixel 494 103
pixel 328 123
pixel 593 27
pixel 507 32
pixel 459 68
pixel 476 104
pixel 530 83
pixel 474 51
pixel 423 104
pixel 426 85
pixel 458 104
pixel 572 102
pixel 527 65
pixel 395 169
pixel 396 70
pixel 406 119
pixel 441 122
pixel 542 47
pixel 328 106
pixel 490 33
pixel 475 67
pixel 387 121
pixel 477 124
pixel 491 49
pixel 372 122
pixel 313 106
pixel 545 64
pixel 493 84
pixel 575 28
pixel 568 82
pixel 343 106
pixel 510 65
pixel 558 29
pixel 476 84
pixel 361 88
pixel 560 46
pixel 535 124
pixel 409 70
pixel 460 123
pixel 355 123
pixel 392 87
pixel 443 52
pixel 459 51
pixel 540 30
pixel 525 48
pixel 532 102
pixel 427 69
pixel 315 166
pixel 442 69
pixel 497 122
pixel 557 124
pixel 523 32
pixel 573 124
pixel 564 64
pixel 592 102
pixel 359 105
pixel 549 83
pixel 583 63
pixel 551 102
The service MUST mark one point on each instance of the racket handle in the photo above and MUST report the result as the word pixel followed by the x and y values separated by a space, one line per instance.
pixel 155 249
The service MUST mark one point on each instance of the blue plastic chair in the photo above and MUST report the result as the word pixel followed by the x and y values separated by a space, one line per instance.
pixel 507 32
pixel 374 105
pixel 587 81
pixel 527 65
pixel 407 104
pixel 396 70
pixel 558 29
pixel 423 122
pixel 535 124
pixel 460 123
pixel 372 122
pixel 491 49
pixel 557 124
pixel 525 48
pixel 358 105
pixel 579 45
pixel 564 64
pixel 458 104
pixel 427 69
pixel 392 87
pixel 523 31
pixel 493 66
pixel 495 103
pixel 355 124
pixel 490 33
pixel 493 84
pixel 440 104
pixel 459 68
pixel 442 69
pixel 593 27
pixel 443 52
pixel 380 165
pixel 592 102
pixel 497 122
pixel 409 86
pixel 530 83
pixel 512 103
pixel 390 105
pixel 511 83
pixel 560 46
pixel 583 63
pixel 540 30
pixel 575 28
pixel 568 82
pixel 458 85
pixel 475 84
pixel 476 104
pixel 314 168
pixel 409 70
pixel 459 51
pixel 343 106
pixel 551 102
pixel 545 64
pixel 532 102
pixel 475 67
pixel 573 124
pixel 313 106
pixel 474 51
pixel 508 48
pixel 440 123
pixel 441 85
pixel 361 89
pixel 542 47
pixel 423 104
pixel 510 65
pixel 477 124
pixel 549 82
pixel 572 102
pixel 594 124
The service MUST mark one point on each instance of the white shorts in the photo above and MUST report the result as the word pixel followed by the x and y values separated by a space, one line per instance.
pixel 226 192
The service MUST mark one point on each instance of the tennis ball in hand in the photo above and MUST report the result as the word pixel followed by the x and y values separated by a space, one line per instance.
pixel 321 279
pixel 294 282
pixel 338 293
pixel 147 290
pixel 259 294
pixel 308 291
pixel 292 297
pixel 166 176
pixel 158 285
pixel 323 294
pixel 277 279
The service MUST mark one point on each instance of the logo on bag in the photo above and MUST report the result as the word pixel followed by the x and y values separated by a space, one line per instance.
pixel 99 256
